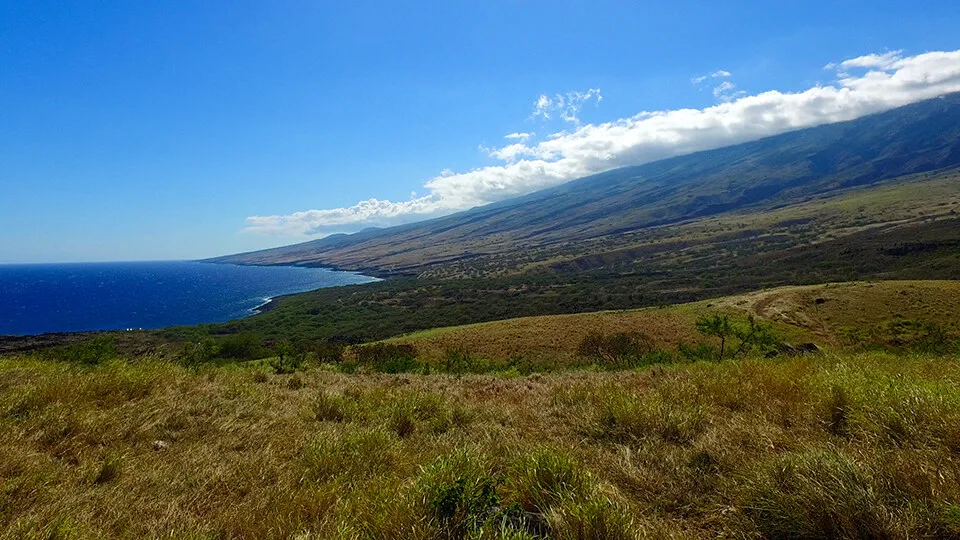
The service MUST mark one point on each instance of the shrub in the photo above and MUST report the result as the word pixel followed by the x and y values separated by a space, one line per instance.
pixel 457 361
pixel 195 354
pixel 459 494
pixel 324 352
pixel 388 357
pixel 89 353
pixel 288 360
pixel 751 336
pixel 623 349
pixel 698 352
pixel 244 346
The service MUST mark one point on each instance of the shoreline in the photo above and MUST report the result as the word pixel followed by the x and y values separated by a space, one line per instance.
pixel 268 305
pixel 13 342
pixel 370 272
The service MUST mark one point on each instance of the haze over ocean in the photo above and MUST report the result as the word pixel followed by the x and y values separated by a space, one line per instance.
pixel 39 298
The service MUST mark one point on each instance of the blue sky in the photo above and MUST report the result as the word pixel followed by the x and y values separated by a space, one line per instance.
pixel 170 130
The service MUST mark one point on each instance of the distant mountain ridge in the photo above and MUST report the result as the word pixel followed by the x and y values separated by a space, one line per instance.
pixel 766 173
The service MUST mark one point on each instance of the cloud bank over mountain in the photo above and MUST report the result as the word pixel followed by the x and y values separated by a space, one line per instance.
pixel 862 86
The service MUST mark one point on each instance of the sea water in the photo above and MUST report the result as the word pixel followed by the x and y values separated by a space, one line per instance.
pixel 39 298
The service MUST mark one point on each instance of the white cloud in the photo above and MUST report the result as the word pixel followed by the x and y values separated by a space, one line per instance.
pixel 887 81
pixel 885 61
pixel 719 74
pixel 726 91
pixel 568 105
pixel 522 137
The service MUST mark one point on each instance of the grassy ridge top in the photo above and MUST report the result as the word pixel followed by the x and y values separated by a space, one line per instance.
pixel 820 314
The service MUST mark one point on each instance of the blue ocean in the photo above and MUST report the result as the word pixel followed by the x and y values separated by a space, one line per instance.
pixel 41 298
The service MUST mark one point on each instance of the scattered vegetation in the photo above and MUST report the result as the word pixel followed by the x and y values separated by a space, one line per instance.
pixel 633 426
pixel 838 445
pixel 90 352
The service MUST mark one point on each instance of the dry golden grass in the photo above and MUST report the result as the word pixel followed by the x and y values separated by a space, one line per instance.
pixel 837 445
pixel 828 310
pixel 555 336
pixel 817 314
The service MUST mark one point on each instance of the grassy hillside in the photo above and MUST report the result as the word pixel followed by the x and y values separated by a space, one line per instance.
pixel 859 437
pixel 840 445
pixel 784 169
pixel 821 314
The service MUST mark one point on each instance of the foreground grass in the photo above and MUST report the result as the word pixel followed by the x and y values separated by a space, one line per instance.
pixel 838 445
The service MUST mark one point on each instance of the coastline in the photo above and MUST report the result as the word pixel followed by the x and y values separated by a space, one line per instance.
pixel 269 304
pixel 24 339
pixel 370 272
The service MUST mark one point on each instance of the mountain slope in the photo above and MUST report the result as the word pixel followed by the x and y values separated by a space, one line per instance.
pixel 767 173
pixel 822 314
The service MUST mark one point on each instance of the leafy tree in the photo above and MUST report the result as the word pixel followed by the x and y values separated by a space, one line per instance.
pixel 753 335
pixel 198 353
pixel 717 326
pixel 288 359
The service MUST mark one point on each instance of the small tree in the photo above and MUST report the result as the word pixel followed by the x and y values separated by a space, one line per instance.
pixel 718 326
pixel 753 335
pixel 287 359
pixel 201 352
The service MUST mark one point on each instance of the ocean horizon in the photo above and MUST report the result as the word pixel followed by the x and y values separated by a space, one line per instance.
pixel 76 297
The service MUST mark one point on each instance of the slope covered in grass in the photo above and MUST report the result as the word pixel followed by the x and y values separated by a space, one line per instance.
pixel 820 314
pixel 837 445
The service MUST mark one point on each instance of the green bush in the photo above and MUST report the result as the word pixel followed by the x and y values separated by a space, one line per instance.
pixel 742 338
pixel 244 346
pixel 288 359
pixel 89 353
pixel 699 352
pixel 388 357
pixel 622 350
pixel 459 493
pixel 195 354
